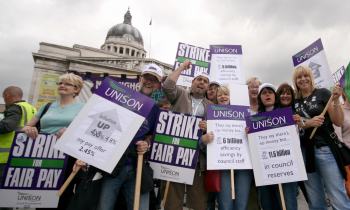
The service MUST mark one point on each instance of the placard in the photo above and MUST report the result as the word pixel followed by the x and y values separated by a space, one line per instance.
pixel 199 58
pixel 226 64
pixel 314 57
pixel 229 150
pixel 33 174
pixel 174 151
pixel 105 126
pixel 275 148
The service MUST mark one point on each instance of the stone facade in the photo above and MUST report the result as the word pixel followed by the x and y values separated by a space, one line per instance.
pixel 121 54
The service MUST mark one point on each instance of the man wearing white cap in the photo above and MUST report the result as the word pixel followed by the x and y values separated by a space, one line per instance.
pixel 188 102
pixel 122 178
pixel 151 77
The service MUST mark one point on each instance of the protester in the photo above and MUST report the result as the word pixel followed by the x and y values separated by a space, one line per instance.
pixel 123 176
pixel 189 102
pixel 212 91
pixel 253 87
pixel 211 96
pixel 345 135
pixel 56 120
pixel 323 168
pixel 243 178
pixel 269 195
pixel 286 98
pixel 17 113
pixel 345 129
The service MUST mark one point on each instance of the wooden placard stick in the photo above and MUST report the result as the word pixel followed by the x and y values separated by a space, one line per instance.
pixel 165 193
pixel 322 114
pixel 68 181
pixel 233 184
pixel 280 189
pixel 138 182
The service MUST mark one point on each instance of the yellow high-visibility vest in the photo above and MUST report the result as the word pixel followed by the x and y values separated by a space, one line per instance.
pixel 28 111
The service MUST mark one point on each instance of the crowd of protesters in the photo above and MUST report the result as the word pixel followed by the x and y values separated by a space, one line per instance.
pixel 326 175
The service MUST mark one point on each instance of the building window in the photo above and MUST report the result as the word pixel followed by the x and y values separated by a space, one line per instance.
pixel 121 50
pixel 127 51
pixel 108 48
pixel 133 53
pixel 116 49
pixel 138 54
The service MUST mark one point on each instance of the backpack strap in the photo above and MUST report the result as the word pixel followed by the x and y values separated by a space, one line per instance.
pixel 47 106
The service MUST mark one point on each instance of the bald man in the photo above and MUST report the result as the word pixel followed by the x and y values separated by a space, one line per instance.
pixel 16 115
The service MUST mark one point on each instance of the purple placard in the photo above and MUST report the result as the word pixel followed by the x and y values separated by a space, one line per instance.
pixel 339 76
pixel 34 164
pixel 225 49
pixel 174 136
pixel 270 120
pixel 199 57
pixel 308 52
pixel 227 112
pixel 119 94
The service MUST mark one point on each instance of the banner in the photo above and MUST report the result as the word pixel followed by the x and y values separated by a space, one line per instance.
pixel 229 150
pixel 275 148
pixel 226 64
pixel 314 57
pixel 33 173
pixel 174 151
pixel 105 126
pixel 46 88
pixel 93 81
pixel 199 58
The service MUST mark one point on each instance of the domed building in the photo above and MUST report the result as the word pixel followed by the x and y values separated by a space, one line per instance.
pixel 122 55
pixel 124 39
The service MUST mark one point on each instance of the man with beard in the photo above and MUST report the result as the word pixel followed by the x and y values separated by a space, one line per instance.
pixel 195 103
pixel 123 176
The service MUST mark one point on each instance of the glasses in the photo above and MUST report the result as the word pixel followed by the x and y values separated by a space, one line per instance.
pixel 150 78
pixel 65 84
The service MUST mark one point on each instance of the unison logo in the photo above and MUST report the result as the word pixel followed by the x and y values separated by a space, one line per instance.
pixel 169 171
pixel 308 54
pixel 28 197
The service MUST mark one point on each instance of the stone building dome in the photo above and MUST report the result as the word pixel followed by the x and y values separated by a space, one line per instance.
pixel 125 39
pixel 126 30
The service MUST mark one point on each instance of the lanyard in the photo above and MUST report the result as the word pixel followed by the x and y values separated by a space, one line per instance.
pixel 195 107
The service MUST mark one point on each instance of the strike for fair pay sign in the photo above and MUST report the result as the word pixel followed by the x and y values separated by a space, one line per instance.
pixel 199 58
pixel 33 173
pixel 174 152
pixel 275 148
pixel 105 126
pixel 229 150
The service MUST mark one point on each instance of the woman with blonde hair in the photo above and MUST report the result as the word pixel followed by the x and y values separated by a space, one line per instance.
pixel 57 118
pixel 243 177
pixel 324 169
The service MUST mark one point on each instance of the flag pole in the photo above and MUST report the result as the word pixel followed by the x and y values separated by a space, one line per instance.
pixel 150 38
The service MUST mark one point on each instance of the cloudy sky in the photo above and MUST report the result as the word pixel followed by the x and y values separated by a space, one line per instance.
pixel 270 31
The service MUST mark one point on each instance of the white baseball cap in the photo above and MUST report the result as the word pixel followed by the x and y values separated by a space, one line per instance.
pixel 266 85
pixel 154 70
pixel 203 74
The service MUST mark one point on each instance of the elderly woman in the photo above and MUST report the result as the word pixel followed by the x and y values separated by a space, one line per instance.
pixel 323 167
pixel 58 117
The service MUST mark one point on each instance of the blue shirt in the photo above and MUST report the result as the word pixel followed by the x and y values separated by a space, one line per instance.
pixel 58 117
